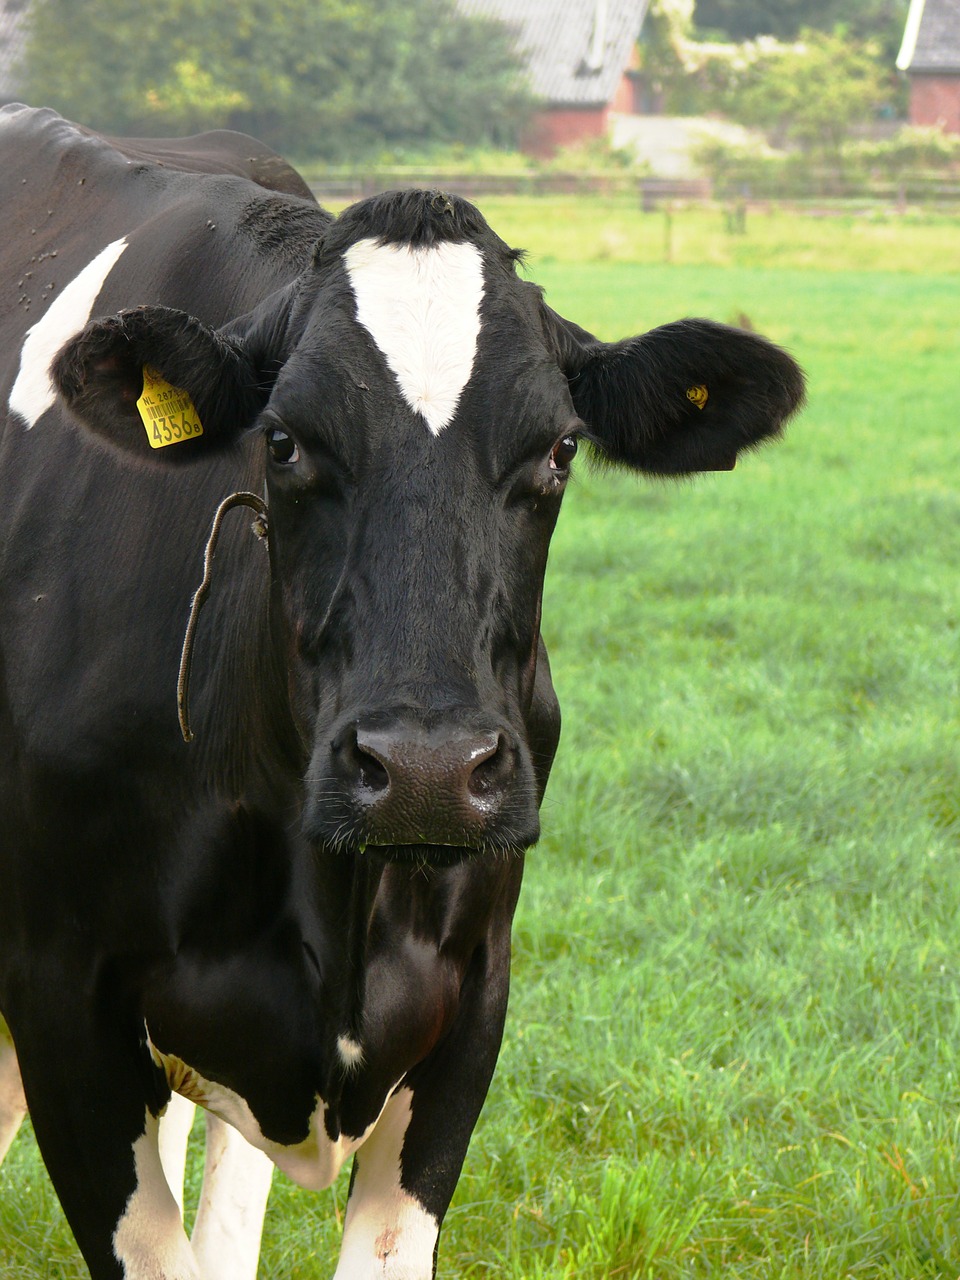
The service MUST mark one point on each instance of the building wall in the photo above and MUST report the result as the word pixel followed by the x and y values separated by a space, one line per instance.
pixel 550 130
pixel 624 100
pixel 935 100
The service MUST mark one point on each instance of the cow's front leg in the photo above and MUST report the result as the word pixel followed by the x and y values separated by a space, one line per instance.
pixel 405 1173
pixel 94 1099
pixel 236 1185
pixel 388 1233
pixel 233 1199
pixel 175 1126
pixel 13 1105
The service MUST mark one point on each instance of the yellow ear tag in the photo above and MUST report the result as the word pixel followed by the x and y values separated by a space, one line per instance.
pixel 168 412
pixel 698 396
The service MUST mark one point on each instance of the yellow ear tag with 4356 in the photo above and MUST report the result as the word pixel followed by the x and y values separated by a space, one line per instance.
pixel 168 413
pixel 698 396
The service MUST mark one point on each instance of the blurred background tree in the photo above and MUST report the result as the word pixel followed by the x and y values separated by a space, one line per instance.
pixel 808 87
pixel 812 93
pixel 878 20
pixel 326 78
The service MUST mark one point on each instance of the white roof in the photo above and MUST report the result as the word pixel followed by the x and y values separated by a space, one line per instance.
pixel 931 37
pixel 576 50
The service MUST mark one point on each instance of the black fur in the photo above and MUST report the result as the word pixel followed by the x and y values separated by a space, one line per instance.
pixel 99 374
pixel 340 852
pixel 632 395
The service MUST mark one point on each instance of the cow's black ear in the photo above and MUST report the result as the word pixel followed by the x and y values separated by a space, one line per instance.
pixel 686 397
pixel 120 374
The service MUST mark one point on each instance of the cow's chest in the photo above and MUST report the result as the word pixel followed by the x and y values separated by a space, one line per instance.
pixel 253 1040
pixel 313 1162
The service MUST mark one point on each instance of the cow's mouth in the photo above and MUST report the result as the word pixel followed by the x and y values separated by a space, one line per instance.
pixel 440 855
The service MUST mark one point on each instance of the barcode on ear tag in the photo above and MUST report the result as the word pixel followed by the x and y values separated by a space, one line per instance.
pixel 167 412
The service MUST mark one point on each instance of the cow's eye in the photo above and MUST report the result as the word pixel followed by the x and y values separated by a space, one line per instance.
pixel 563 453
pixel 282 447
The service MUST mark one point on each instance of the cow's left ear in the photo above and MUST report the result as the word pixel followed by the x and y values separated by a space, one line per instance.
pixel 686 397
pixel 121 374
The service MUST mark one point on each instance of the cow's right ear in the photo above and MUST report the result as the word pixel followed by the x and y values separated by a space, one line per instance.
pixel 219 378
pixel 685 397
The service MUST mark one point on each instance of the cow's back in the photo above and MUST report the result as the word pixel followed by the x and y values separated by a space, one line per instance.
pixel 211 230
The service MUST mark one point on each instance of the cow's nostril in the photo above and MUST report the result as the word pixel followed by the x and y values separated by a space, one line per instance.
pixel 373 774
pixel 359 763
pixel 491 772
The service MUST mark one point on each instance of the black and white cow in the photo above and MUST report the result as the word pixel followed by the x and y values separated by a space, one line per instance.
pixel 302 919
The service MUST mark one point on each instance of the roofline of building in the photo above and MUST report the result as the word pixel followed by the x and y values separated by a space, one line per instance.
pixel 566 104
pixel 910 33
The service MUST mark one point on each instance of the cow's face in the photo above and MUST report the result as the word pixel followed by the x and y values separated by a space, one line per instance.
pixel 419 438
pixel 419 414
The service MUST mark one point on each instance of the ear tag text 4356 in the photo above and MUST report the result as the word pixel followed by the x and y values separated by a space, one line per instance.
pixel 167 412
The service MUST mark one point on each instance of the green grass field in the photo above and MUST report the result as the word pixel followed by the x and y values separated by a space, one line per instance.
pixel 734 1038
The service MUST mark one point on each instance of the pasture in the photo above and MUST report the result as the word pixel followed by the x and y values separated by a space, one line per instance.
pixel 734 1033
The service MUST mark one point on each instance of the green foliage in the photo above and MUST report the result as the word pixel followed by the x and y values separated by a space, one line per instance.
pixel 812 93
pixel 906 164
pixel 912 148
pixel 325 76
pixel 744 19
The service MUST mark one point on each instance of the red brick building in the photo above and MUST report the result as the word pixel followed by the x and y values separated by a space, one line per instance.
pixel 930 56
pixel 580 54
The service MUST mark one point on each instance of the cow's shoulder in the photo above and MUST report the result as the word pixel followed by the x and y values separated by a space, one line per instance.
pixel 221 151
pixel 40 134
pixel 178 219
pixel 38 139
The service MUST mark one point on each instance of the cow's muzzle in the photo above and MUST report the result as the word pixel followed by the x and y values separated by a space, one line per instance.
pixel 400 785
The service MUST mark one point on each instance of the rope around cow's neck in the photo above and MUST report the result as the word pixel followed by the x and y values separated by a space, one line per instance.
pixel 259 527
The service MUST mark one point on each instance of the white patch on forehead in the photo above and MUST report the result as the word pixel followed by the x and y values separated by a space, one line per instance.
pixel 33 392
pixel 422 309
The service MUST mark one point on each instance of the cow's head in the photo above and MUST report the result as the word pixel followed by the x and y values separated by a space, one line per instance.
pixel 418 408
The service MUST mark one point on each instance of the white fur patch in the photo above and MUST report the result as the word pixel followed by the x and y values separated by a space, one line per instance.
pixel 313 1163
pixel 13 1105
pixel 149 1240
pixel 175 1125
pixel 351 1053
pixel 236 1185
pixel 388 1235
pixel 422 309
pixel 33 392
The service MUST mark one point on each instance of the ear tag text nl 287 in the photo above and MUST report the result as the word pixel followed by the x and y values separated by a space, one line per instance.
pixel 167 412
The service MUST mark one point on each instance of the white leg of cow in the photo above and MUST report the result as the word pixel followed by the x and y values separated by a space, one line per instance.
pixel 149 1240
pixel 236 1184
pixel 175 1125
pixel 13 1105
pixel 387 1235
